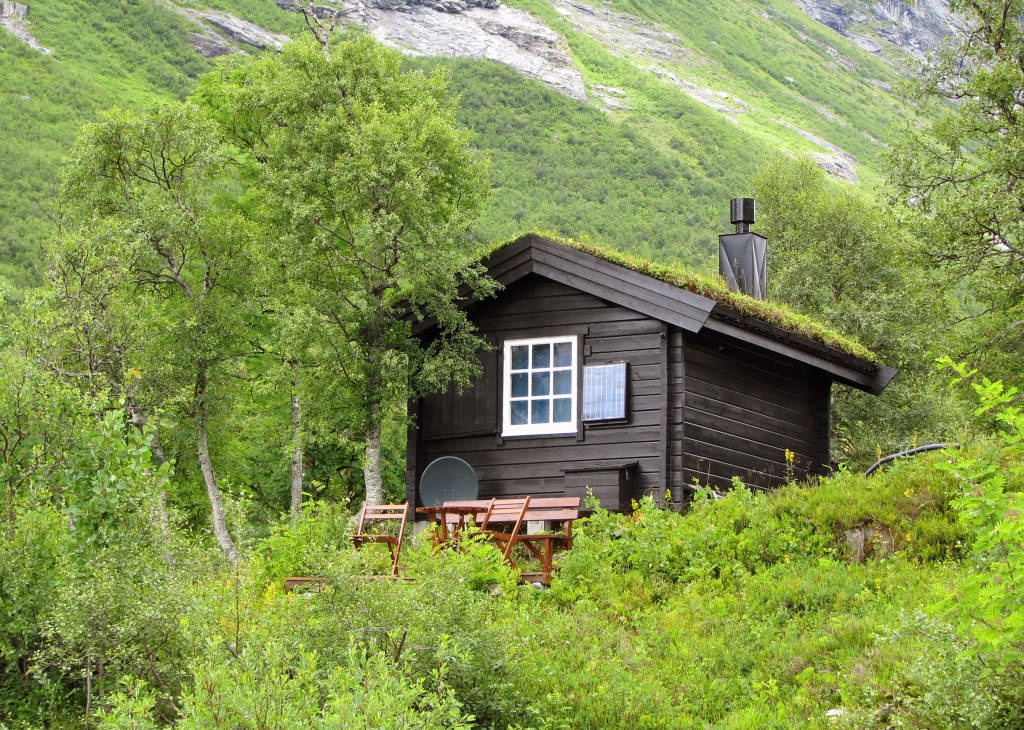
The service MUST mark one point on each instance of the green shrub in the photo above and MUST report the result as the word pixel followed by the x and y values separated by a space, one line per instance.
pixel 124 609
pixel 988 603
pixel 29 555
pixel 447 612
pixel 272 688
pixel 303 546
pixel 719 539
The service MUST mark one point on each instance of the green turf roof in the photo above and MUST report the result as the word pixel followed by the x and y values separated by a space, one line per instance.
pixel 715 289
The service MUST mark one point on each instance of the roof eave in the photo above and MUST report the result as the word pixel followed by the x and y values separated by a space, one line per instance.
pixel 843 367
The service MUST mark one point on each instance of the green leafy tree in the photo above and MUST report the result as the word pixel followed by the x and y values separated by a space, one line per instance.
pixel 959 165
pixel 838 257
pixel 152 188
pixel 39 414
pixel 369 188
pixel 96 329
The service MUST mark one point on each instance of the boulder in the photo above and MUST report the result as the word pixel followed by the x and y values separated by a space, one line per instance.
pixel 211 45
pixel 867 540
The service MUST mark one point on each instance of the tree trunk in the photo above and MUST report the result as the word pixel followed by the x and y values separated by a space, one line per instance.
pixel 88 686
pixel 371 469
pixel 157 448
pixel 220 527
pixel 11 494
pixel 296 444
pixel 138 418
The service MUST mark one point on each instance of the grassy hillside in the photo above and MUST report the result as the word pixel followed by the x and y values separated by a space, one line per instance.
pixel 104 54
pixel 653 178
pixel 560 165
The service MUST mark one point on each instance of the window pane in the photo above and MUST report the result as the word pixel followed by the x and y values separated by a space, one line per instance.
pixel 520 357
pixel 563 382
pixel 520 385
pixel 542 356
pixel 540 411
pixel 519 412
pixel 563 354
pixel 541 383
pixel 563 410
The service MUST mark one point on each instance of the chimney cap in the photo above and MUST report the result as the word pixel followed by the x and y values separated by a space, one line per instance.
pixel 742 210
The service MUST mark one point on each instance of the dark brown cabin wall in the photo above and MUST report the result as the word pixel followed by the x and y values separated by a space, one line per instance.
pixel 676 421
pixel 444 414
pixel 743 409
pixel 511 466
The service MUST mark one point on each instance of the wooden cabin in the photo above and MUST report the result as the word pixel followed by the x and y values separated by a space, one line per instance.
pixel 600 376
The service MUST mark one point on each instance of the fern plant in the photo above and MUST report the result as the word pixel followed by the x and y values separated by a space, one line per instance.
pixel 990 599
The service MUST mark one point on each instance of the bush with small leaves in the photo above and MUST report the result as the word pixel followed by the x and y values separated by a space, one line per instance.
pixel 272 688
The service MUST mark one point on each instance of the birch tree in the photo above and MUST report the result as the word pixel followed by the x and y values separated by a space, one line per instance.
pixel 370 187
pixel 960 166
pixel 152 186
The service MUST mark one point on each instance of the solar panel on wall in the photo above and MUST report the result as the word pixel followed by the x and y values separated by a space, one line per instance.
pixel 604 392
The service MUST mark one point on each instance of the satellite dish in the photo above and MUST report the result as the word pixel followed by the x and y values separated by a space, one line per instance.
pixel 448 478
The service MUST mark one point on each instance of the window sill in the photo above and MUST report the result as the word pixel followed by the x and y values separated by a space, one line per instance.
pixel 541 435
pixel 607 423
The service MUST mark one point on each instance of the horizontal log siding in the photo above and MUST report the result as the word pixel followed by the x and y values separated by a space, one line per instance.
pixel 534 465
pixel 743 409
pixel 677 426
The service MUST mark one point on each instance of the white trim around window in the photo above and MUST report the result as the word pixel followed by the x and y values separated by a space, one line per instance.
pixel 540 386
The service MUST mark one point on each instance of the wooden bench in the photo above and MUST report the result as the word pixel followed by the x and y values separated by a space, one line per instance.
pixel 295 581
pixel 561 512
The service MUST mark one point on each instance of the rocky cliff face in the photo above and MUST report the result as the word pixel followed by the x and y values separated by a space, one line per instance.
pixel 14 17
pixel 218 33
pixel 915 27
pixel 486 29
pixel 462 28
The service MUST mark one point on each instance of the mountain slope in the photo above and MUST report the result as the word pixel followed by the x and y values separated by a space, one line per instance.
pixel 657 111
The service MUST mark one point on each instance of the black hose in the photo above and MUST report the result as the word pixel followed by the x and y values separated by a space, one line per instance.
pixel 909 452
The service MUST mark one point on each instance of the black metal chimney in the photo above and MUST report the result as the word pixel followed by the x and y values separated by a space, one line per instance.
pixel 741 255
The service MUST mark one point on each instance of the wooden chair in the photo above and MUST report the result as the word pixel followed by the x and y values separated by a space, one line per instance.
pixel 558 514
pixel 509 511
pixel 383 513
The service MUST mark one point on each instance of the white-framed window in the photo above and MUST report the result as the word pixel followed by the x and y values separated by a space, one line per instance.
pixel 539 386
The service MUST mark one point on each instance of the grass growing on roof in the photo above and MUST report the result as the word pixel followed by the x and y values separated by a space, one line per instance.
pixel 715 289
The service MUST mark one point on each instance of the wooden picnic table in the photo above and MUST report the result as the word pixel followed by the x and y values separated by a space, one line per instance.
pixel 450 514
pixel 559 512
